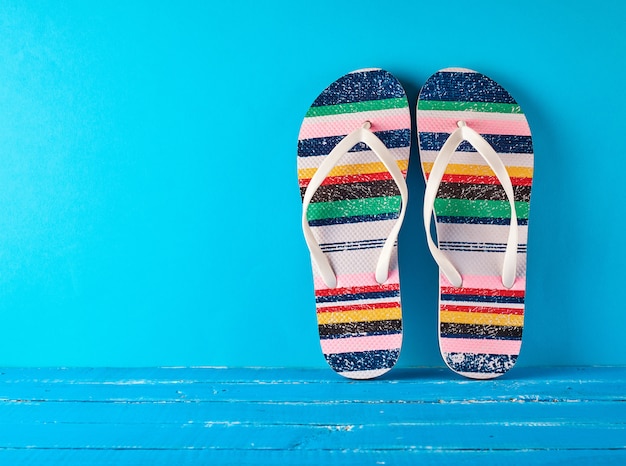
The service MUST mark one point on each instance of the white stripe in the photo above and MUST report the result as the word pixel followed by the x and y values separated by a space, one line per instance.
pixel 353 231
pixel 461 70
pixel 480 375
pixel 479 233
pixel 478 247
pixel 483 263
pixel 481 304
pixel 357 262
pixel 352 245
pixel 360 301
pixel 369 374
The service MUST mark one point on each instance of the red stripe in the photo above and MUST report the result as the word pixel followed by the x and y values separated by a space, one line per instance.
pixel 482 292
pixel 482 309
pixel 358 307
pixel 304 182
pixel 356 290
pixel 473 179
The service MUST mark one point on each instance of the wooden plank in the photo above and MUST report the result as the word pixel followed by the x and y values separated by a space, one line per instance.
pixel 274 416
pixel 273 385
pixel 307 458
pixel 473 434
pixel 326 413
pixel 310 392
pixel 103 375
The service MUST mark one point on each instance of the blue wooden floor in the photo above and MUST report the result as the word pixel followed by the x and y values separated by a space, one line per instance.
pixel 177 416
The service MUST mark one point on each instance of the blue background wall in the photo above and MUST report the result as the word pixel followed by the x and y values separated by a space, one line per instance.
pixel 149 207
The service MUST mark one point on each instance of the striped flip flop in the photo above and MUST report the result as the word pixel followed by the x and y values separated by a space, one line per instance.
pixel 353 154
pixel 477 156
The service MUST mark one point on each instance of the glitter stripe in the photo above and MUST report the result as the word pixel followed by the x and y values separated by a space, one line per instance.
pixel 458 86
pixel 354 207
pixel 481 318
pixel 361 86
pixel 324 145
pixel 363 328
pixel 500 143
pixel 468 106
pixel 357 361
pixel 356 107
pixel 479 208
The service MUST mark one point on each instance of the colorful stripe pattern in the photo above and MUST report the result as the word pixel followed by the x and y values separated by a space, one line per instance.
pixel 352 214
pixel 480 323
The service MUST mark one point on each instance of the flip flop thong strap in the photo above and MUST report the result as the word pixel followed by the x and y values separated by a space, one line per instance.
pixel 465 133
pixel 364 135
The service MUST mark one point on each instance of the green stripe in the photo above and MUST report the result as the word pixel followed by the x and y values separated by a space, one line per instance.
pixel 478 208
pixel 468 106
pixel 353 207
pixel 366 106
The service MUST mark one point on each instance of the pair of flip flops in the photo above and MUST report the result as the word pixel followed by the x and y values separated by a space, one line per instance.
pixel 477 157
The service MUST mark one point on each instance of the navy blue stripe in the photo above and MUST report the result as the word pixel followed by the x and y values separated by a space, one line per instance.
pixel 482 299
pixel 342 244
pixel 363 360
pixel 477 247
pixel 359 87
pixel 356 219
pixel 322 146
pixel 357 296
pixel 485 363
pixel 468 249
pixel 470 243
pixel 502 144
pixel 464 87
pixel 352 246
pixel 480 220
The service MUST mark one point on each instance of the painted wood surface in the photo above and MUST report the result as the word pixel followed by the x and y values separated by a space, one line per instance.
pixel 286 416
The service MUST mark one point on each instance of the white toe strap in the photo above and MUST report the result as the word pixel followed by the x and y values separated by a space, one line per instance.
pixel 465 133
pixel 364 135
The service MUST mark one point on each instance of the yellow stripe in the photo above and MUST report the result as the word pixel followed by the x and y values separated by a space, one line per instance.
pixel 367 315
pixel 353 169
pixel 481 170
pixel 481 318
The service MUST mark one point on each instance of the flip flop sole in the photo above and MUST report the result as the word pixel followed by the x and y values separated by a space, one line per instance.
pixel 352 214
pixel 480 323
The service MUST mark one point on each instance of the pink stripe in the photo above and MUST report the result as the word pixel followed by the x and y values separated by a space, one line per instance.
pixel 312 128
pixel 485 281
pixel 477 346
pixel 447 125
pixel 348 345
pixel 361 279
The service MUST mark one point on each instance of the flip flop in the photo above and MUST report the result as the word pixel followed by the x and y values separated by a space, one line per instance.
pixel 477 156
pixel 353 154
